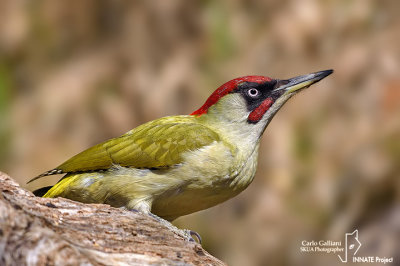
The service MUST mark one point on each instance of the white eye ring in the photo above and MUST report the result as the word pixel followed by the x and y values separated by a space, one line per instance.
pixel 252 92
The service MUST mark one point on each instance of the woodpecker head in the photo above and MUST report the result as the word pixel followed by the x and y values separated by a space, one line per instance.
pixel 252 101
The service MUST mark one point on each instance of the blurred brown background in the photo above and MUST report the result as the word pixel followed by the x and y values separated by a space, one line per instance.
pixel 74 73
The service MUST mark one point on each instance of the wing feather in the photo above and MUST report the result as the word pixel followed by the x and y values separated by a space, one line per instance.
pixel 157 144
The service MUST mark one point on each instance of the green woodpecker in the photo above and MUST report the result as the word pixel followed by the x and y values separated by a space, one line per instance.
pixel 178 165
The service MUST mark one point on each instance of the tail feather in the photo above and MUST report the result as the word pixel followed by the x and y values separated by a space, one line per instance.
pixel 51 172
pixel 41 191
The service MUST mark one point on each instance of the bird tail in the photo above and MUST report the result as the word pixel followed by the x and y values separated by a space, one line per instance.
pixel 41 191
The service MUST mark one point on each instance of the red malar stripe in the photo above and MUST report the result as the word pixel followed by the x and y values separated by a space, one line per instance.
pixel 259 112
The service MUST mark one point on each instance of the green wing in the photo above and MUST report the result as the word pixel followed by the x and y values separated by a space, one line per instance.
pixel 157 144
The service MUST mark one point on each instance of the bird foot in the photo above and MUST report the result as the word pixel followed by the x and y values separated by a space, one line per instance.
pixel 185 233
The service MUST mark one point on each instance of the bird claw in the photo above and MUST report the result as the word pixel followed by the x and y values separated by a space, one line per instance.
pixel 185 233
pixel 195 234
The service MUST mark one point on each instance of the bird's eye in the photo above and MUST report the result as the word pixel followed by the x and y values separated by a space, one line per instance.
pixel 253 92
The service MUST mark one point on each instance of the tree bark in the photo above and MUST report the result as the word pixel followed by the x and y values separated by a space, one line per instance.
pixel 42 231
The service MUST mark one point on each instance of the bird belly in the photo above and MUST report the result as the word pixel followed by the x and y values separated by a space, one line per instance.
pixel 189 199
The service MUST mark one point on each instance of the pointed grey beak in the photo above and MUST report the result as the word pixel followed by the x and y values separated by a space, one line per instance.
pixel 300 82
